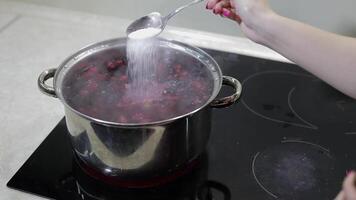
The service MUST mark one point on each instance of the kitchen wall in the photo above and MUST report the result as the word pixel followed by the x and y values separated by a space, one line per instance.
pixel 333 15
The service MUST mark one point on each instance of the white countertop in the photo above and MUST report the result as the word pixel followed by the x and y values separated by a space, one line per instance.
pixel 34 38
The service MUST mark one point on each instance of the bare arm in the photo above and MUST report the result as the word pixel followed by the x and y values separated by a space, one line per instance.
pixel 329 56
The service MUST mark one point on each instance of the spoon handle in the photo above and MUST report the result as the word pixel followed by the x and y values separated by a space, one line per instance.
pixel 170 15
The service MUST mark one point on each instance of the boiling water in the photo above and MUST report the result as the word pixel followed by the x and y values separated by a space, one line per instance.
pixel 138 84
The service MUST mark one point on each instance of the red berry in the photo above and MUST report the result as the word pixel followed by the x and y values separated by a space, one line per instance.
pixel 122 119
pixel 123 78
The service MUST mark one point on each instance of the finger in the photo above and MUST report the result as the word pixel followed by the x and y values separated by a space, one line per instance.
pixel 349 186
pixel 231 15
pixel 211 3
pixel 340 196
pixel 218 8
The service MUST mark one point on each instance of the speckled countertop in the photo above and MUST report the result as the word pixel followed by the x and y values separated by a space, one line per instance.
pixel 34 38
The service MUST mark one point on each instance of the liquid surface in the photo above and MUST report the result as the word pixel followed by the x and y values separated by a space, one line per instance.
pixel 100 86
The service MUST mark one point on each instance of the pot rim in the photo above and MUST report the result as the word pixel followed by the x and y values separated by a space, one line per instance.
pixel 97 46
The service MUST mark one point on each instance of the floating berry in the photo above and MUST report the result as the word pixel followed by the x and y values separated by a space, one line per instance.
pixel 120 62
pixel 122 119
pixel 111 66
pixel 124 78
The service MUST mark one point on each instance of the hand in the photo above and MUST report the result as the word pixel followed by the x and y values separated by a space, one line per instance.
pixel 224 8
pixel 348 189
pixel 250 14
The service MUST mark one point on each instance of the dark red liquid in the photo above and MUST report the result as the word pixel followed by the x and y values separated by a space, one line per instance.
pixel 99 86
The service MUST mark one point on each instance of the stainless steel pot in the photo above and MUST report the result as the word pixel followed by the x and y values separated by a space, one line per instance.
pixel 140 151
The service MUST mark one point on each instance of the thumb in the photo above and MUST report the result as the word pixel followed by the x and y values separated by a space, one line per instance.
pixel 349 186
pixel 340 196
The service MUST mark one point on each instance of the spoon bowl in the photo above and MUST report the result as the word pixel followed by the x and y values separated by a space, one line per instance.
pixel 152 20
pixel 155 22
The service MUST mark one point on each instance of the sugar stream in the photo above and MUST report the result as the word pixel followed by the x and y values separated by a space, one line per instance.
pixel 142 56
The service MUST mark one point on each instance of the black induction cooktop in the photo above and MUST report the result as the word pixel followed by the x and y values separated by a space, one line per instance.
pixel 291 136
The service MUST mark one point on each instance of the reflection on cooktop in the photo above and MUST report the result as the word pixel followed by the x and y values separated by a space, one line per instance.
pixel 300 101
pixel 276 108
pixel 188 186
pixel 63 177
pixel 295 170
pixel 291 136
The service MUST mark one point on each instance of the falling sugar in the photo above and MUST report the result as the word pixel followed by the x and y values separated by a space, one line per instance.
pixel 142 61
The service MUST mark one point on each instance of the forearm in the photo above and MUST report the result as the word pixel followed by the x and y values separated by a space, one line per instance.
pixel 329 56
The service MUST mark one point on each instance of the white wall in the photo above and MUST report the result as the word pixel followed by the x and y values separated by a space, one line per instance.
pixel 333 15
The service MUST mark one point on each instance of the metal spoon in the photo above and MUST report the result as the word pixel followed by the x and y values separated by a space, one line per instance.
pixel 155 20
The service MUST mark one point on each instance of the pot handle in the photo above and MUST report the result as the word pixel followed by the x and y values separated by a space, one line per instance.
pixel 44 88
pixel 228 101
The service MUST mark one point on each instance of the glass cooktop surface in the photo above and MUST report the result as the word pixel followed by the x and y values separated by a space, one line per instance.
pixel 290 136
